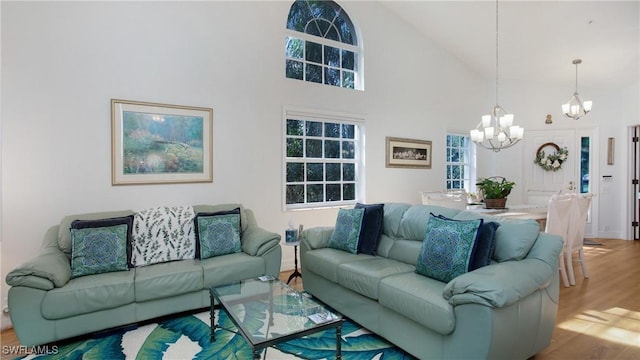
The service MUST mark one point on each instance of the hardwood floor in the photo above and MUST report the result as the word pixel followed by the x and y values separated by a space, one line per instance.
pixel 598 318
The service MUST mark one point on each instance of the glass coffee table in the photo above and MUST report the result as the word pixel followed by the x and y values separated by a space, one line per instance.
pixel 270 312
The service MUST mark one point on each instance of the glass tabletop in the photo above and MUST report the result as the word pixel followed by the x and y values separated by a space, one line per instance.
pixel 268 311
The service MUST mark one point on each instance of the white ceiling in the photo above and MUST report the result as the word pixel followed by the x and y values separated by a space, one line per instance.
pixel 538 40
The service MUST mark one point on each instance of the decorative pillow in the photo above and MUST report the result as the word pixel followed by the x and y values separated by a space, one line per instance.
pixel 218 233
pixel 485 246
pixel 448 248
pixel 347 230
pixel 371 227
pixel 99 246
pixel 163 234
pixel 485 243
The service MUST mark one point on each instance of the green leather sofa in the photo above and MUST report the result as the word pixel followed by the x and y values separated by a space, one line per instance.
pixel 47 305
pixel 505 310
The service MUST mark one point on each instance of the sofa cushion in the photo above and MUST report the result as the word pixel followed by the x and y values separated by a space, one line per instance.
pixel 100 246
pixel 217 233
pixel 371 227
pixel 232 267
pixel 167 279
pixel 448 248
pixel 64 233
pixel 364 276
pixel 392 217
pixel 163 233
pixel 418 298
pixel 415 219
pixel 514 239
pixel 325 262
pixel 347 230
pixel 88 294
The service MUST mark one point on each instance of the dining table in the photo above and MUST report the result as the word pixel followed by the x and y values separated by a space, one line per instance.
pixel 518 211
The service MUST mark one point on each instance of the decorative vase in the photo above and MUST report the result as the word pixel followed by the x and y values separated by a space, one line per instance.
pixel 495 203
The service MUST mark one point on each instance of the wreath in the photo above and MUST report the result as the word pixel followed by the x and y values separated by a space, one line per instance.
pixel 551 162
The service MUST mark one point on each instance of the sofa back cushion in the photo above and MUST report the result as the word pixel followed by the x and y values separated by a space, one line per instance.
pixel 413 225
pixel 64 231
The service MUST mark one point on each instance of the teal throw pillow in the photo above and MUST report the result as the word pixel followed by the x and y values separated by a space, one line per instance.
pixel 217 233
pixel 100 246
pixel 448 248
pixel 347 230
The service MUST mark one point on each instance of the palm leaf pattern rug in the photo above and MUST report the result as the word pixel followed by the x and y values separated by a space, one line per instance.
pixel 187 337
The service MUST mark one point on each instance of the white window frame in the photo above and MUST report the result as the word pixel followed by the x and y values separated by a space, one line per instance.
pixel 298 113
pixel 470 166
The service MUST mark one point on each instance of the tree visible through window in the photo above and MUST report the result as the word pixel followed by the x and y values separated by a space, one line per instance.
pixel 321 45
pixel 460 162
pixel 322 161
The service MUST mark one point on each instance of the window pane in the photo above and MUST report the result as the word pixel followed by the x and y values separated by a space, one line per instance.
pixel 455 155
pixel 348 172
pixel 348 131
pixel 332 130
pixel 313 52
pixel 315 172
pixel 314 73
pixel 333 172
pixel 295 172
pixel 348 150
pixel 332 149
pixel 295 127
pixel 294 147
pixel 333 192
pixel 332 76
pixel 294 48
pixel 314 128
pixel 348 60
pixel 314 148
pixel 448 153
pixel 294 69
pixel 348 80
pixel 295 194
pixel 349 191
pixel 315 193
pixel 584 164
pixel 332 56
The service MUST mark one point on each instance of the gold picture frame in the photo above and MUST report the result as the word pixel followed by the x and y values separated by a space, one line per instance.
pixel 155 143
pixel 408 153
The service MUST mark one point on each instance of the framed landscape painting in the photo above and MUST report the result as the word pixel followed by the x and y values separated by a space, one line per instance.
pixel 159 143
pixel 408 153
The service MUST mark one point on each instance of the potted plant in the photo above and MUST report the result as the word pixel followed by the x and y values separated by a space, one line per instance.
pixel 495 191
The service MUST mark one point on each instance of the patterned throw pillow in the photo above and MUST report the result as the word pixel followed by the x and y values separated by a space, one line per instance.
pixel 163 234
pixel 347 230
pixel 99 246
pixel 485 244
pixel 448 248
pixel 218 233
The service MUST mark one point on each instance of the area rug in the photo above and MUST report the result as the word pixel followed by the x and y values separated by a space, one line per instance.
pixel 187 337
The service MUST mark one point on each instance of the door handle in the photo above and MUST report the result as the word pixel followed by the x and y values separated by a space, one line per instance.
pixel 570 185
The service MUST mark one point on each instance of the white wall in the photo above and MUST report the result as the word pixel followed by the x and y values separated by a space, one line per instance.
pixel 63 62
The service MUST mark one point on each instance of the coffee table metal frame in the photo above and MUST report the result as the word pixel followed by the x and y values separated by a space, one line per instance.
pixel 217 297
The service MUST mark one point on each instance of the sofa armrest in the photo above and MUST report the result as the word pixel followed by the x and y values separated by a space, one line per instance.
pixel 50 268
pixel 257 241
pixel 316 238
pixel 500 284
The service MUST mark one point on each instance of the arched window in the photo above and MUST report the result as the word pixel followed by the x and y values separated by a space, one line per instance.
pixel 322 45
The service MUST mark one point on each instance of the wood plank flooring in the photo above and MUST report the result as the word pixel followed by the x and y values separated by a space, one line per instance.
pixel 598 318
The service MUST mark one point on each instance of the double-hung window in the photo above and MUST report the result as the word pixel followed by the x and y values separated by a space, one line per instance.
pixel 323 159
pixel 460 163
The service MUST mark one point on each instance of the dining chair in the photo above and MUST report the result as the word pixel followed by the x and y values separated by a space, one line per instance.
pixel 558 218
pixel 579 213
pixel 540 197
pixel 454 199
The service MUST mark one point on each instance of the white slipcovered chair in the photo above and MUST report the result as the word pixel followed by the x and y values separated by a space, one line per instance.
pixel 575 241
pixel 454 199
pixel 558 219
pixel 540 197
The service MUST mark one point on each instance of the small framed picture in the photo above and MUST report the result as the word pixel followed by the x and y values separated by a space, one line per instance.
pixel 159 143
pixel 408 153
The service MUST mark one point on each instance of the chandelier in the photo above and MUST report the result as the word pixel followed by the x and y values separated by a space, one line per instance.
pixel 575 107
pixel 496 130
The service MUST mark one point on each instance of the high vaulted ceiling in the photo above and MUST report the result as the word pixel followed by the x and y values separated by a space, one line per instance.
pixel 538 40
